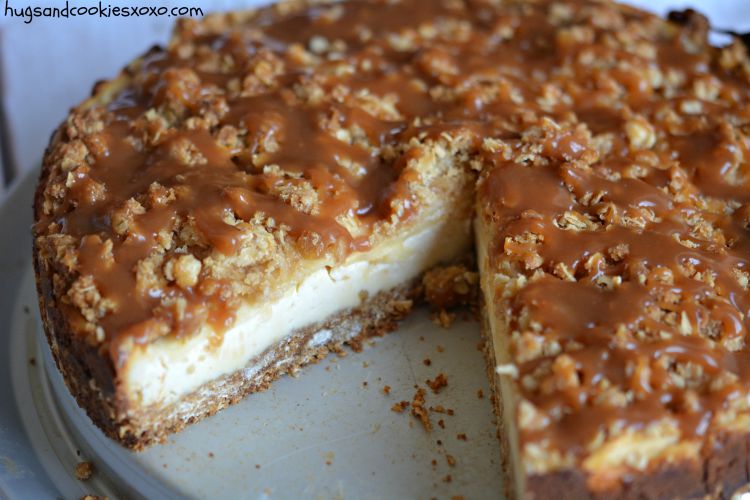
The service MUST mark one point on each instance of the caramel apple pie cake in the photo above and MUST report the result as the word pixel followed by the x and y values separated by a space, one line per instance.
pixel 275 183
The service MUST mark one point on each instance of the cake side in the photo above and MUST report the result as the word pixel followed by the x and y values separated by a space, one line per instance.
pixel 115 401
pixel 144 427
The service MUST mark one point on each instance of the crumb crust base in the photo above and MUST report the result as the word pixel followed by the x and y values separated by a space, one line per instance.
pixel 91 379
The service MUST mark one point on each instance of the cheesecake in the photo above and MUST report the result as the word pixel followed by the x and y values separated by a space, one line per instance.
pixel 278 183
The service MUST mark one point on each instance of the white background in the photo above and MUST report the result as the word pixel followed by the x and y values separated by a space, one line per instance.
pixel 49 65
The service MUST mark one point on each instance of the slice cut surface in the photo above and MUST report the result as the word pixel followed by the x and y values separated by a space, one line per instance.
pixel 162 372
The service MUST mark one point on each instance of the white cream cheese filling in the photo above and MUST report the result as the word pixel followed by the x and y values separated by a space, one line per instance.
pixel 164 371
pixel 499 334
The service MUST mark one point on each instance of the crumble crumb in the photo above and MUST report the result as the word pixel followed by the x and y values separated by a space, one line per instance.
pixel 480 394
pixel 450 287
pixel 418 409
pixel 450 459
pixel 355 345
pixel 438 383
pixel 462 437
pixel 427 361
pixel 443 318
pixel 441 423
pixel 84 471
pixel 386 389
pixel 440 348
pixel 441 409
pixel 400 407
pixel 509 370
pixel 447 478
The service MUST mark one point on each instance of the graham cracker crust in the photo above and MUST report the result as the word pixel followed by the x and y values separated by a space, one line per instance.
pixel 90 378
pixel 720 473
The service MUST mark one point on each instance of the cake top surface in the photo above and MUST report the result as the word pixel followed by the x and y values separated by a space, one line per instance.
pixel 261 140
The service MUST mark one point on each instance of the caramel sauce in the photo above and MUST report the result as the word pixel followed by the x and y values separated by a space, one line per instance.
pixel 459 68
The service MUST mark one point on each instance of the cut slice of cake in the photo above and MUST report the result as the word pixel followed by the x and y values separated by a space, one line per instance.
pixel 232 208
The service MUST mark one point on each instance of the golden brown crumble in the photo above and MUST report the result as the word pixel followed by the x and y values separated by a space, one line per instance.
pixel 400 406
pixel 450 287
pixel 84 471
pixel 438 383
pixel 419 410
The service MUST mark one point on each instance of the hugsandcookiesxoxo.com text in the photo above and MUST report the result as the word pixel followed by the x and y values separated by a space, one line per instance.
pixel 28 12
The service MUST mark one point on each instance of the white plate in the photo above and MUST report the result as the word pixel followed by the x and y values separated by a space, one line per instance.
pixel 330 433
pixel 323 434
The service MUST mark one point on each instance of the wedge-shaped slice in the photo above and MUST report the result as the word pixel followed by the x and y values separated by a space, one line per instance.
pixel 216 216
pixel 163 302
pixel 616 314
